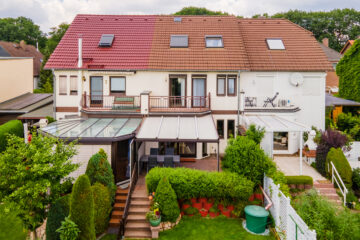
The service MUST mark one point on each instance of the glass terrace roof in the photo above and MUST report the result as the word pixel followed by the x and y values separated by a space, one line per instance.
pixel 94 128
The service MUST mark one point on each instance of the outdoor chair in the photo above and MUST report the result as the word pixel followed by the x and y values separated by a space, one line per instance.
pixel 169 151
pixel 169 162
pixel 250 101
pixel 154 151
pixel 270 100
pixel 152 162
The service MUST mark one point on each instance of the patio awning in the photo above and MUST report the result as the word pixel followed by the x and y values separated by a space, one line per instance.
pixel 273 123
pixel 93 129
pixel 178 129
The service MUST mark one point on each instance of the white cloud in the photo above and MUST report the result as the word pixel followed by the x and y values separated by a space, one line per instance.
pixel 49 13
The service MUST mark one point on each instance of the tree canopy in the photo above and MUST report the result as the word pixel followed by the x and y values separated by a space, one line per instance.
pixel 198 11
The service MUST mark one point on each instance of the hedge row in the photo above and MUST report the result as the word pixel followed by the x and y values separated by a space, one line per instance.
pixel 307 180
pixel 337 157
pixel 189 183
pixel 11 127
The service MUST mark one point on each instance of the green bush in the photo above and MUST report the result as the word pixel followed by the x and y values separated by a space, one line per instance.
pixel 11 225
pixel 68 230
pixel 255 133
pixel 102 205
pixel 356 179
pixel 299 180
pixel 337 157
pixel 57 213
pixel 82 208
pixel 11 127
pixel 190 183
pixel 166 198
pixel 349 124
pixel 99 170
pixel 326 219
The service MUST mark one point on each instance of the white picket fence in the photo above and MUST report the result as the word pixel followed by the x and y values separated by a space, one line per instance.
pixel 289 224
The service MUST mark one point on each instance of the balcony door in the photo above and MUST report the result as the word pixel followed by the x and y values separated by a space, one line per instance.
pixel 96 91
pixel 177 91
pixel 198 91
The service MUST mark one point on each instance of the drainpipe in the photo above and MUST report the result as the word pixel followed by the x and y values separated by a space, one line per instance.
pixel 238 102
pixel 80 53
pixel 54 94
pixel 80 64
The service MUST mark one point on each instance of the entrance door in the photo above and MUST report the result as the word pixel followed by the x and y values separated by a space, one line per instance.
pixel 96 91
pixel 198 92
pixel 121 161
pixel 177 92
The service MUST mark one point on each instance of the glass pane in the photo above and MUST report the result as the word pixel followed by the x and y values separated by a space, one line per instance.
pixel 198 92
pixel 221 86
pixel 117 84
pixel 177 87
pixel 96 86
pixel 220 128
pixel 129 127
pixel 76 131
pixel 113 128
pixel 231 85
pixel 275 44
pixel 231 128
pixel 187 149
pixel 214 42
pixel 96 128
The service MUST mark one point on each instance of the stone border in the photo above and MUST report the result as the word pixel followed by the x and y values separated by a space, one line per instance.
pixel 169 225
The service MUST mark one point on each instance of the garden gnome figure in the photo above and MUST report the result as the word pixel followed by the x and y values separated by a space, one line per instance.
pixel 311 145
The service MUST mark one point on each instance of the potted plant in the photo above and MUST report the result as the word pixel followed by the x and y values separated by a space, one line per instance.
pixel 213 212
pixel 193 200
pixel 209 203
pixel 186 204
pixel 191 211
pixel 154 217
pixel 226 212
pixel 203 212
pixel 202 200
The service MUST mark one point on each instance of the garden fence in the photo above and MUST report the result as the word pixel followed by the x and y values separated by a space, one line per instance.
pixel 289 224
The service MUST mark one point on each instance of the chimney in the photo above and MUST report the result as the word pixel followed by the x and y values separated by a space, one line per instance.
pixel 22 44
pixel 325 41
pixel 80 53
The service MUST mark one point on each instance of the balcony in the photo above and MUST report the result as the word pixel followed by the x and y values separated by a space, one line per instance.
pixel 97 102
pixel 179 104
pixel 269 104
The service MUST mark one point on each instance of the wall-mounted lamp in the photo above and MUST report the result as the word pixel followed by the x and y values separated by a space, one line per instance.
pixel 84 79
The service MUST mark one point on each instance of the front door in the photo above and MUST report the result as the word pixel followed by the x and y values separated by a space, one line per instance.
pixel 198 92
pixel 177 92
pixel 96 91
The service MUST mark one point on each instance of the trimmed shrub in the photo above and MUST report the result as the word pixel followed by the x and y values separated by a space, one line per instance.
pixel 82 208
pixel 255 133
pixel 299 180
pixel 356 179
pixel 57 213
pixel 190 183
pixel 99 170
pixel 11 127
pixel 337 157
pixel 102 207
pixel 11 226
pixel 166 198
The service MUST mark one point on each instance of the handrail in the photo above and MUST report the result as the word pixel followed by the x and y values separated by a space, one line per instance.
pixel 333 177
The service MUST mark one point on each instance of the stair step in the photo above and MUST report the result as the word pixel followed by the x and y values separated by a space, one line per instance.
pixel 122 191
pixel 114 222
pixel 137 225
pixel 327 190
pixel 137 234
pixel 140 203
pixel 119 206
pixel 332 196
pixel 117 214
pixel 139 198
pixel 138 210
pixel 323 185
pixel 136 218
pixel 120 199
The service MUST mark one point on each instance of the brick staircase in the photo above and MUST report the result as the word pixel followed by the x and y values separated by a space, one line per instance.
pixel 137 226
pixel 118 210
pixel 327 189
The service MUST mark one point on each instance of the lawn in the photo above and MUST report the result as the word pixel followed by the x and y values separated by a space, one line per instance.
pixel 217 228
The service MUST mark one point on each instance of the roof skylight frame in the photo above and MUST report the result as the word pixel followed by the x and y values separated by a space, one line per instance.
pixel 214 37
pixel 275 44
pixel 106 40
pixel 177 19
pixel 179 41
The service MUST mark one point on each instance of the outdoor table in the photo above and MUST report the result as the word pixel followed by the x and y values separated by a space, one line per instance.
pixel 160 159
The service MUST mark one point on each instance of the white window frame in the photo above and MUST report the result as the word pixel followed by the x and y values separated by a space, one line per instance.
pixel 208 37
pixel 275 44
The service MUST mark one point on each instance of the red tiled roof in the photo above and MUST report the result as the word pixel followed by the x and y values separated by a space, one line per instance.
pixel 143 42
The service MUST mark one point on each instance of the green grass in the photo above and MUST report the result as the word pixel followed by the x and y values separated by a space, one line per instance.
pixel 109 237
pixel 203 228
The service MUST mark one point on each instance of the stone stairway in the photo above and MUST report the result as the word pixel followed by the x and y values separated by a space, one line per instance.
pixel 137 226
pixel 118 210
pixel 327 189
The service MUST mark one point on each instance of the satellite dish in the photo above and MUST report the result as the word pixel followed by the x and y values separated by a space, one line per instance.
pixel 296 79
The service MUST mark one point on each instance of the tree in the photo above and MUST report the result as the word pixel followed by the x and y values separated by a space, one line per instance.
pixel 255 133
pixel 31 175
pixel 198 11
pixel 21 28
pixel 82 208
pixel 102 209
pixel 165 196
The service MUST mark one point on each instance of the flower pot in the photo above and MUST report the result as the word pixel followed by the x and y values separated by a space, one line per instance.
pixel 208 205
pixel 203 200
pixel 213 214
pixel 197 205
pixel 258 196
pixel 226 212
pixel 220 206
pixel 156 222
pixel 251 198
pixel 308 186
pixel 204 212
pixel 230 207
pixel 185 206
pixel 193 200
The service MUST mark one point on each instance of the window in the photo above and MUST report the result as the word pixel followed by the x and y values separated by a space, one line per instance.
pixel 106 40
pixel 220 128
pixel 62 85
pixel 117 84
pixel 231 83
pixel 179 41
pixel 275 44
pixel 230 128
pixel 73 85
pixel 221 85
pixel 214 41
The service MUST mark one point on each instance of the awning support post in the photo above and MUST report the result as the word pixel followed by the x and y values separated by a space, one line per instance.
pixel 217 156
pixel 301 148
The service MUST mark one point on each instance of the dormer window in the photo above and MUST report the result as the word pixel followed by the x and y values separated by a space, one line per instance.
pixel 214 41
pixel 179 41
pixel 106 40
pixel 275 44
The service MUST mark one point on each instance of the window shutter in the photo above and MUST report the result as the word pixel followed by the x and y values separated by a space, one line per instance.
pixel 73 84
pixel 62 85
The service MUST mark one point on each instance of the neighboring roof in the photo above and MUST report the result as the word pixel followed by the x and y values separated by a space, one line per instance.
pixel 331 54
pixel 273 123
pixel 179 128
pixel 25 103
pixel 40 113
pixel 22 50
pixel 330 100
pixel 347 45
pixel 93 129
pixel 142 42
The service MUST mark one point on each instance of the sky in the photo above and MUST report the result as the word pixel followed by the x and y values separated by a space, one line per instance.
pixel 50 13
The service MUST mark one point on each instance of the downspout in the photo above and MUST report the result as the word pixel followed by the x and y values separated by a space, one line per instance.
pixel 130 147
pixel 54 94
pixel 238 102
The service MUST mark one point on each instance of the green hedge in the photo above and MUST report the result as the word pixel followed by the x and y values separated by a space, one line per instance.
pixel 11 127
pixel 190 183
pixel 12 228
pixel 57 213
pixel 102 207
pixel 341 164
pixel 356 179
pixel 299 180
pixel 166 198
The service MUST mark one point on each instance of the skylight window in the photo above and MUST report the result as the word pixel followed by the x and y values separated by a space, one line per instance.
pixel 275 44
pixel 177 19
pixel 106 40
pixel 179 41
pixel 214 41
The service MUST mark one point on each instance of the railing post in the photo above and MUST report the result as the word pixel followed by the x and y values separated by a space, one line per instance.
pixel 209 102
pixel 84 100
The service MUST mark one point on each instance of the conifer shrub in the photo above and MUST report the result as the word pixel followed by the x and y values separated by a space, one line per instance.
pixel 166 198
pixel 337 157
pixel 57 213
pixel 102 207
pixel 82 208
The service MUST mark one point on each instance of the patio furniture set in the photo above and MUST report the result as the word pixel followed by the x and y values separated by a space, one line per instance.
pixel 252 101
pixel 155 159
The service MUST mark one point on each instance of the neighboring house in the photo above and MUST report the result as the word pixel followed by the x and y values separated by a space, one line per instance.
pixel 332 80
pixel 337 105
pixel 184 83
pixel 21 50
pixel 347 46
pixel 28 107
